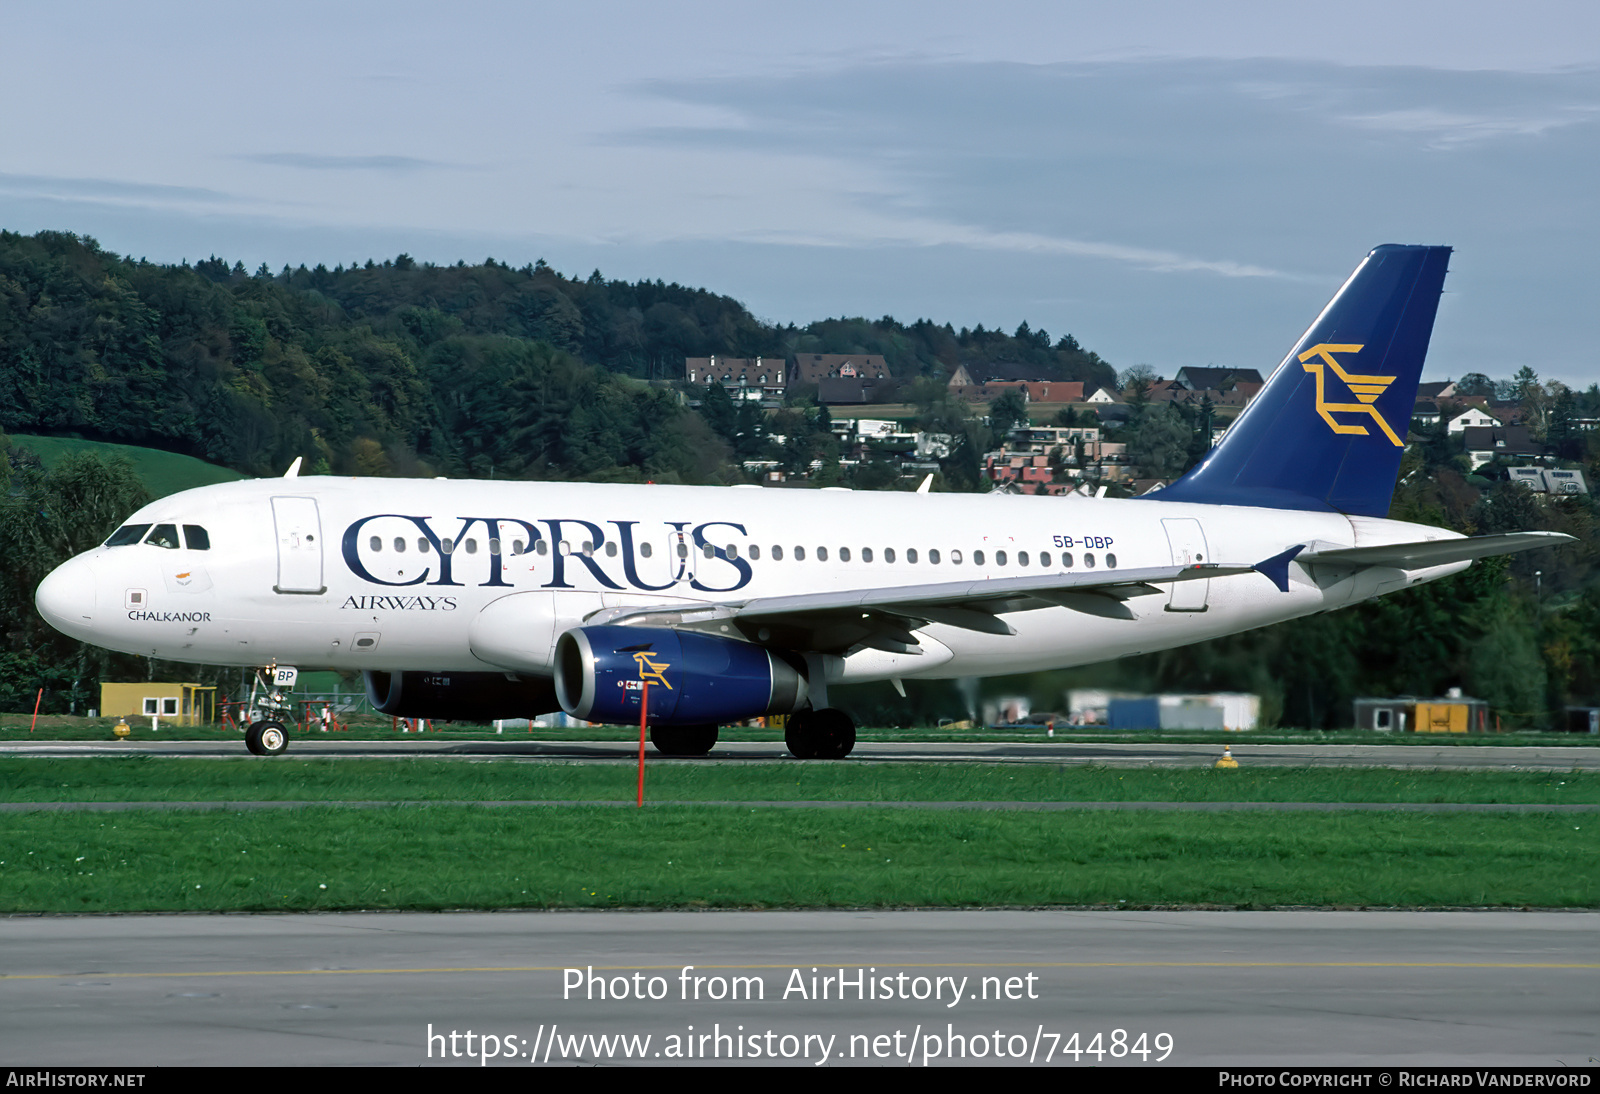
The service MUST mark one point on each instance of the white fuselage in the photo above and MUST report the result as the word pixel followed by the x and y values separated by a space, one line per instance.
pixel 353 574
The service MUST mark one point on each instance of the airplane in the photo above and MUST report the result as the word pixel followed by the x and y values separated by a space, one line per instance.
pixel 704 606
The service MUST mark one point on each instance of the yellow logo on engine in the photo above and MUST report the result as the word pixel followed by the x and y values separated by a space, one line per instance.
pixel 649 670
pixel 1366 389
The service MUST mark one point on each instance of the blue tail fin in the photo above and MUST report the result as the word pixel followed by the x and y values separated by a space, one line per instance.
pixel 1328 428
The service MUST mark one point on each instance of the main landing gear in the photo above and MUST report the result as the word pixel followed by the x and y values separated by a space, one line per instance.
pixel 826 734
pixel 683 740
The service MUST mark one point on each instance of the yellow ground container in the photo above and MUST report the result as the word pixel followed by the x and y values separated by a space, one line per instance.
pixel 1442 718
pixel 181 704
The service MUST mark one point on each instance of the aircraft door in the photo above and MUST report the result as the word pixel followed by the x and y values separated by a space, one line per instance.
pixel 299 530
pixel 1188 542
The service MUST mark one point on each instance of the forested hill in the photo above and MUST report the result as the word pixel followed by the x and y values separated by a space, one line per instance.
pixel 403 367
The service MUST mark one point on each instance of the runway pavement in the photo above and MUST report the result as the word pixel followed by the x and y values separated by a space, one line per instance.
pixel 1552 757
pixel 1199 988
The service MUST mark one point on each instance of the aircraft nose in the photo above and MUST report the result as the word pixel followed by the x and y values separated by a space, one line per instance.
pixel 66 597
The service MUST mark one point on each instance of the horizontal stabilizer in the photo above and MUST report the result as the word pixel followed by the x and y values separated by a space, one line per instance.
pixel 1436 552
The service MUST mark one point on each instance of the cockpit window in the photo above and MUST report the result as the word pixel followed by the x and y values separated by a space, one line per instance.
pixel 163 535
pixel 195 538
pixel 128 533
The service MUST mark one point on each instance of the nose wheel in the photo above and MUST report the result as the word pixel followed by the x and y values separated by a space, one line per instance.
pixel 826 734
pixel 266 738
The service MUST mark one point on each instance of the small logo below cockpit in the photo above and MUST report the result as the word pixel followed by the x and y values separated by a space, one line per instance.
pixel 1366 389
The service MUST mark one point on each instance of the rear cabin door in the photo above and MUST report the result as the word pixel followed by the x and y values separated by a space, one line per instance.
pixel 1188 543
pixel 299 532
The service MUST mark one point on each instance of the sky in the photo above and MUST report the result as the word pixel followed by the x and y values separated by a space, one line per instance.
pixel 1174 184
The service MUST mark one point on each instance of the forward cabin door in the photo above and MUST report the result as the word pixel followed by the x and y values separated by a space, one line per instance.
pixel 1188 543
pixel 299 531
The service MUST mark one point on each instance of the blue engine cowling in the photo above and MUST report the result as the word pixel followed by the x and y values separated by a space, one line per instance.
pixel 694 679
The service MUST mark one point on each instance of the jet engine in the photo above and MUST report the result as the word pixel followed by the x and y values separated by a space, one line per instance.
pixel 694 679
pixel 460 696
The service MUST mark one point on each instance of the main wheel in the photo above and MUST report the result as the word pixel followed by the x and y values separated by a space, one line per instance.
pixel 683 740
pixel 266 738
pixel 798 737
pixel 826 734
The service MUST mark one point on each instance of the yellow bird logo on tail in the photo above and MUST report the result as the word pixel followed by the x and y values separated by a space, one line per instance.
pixel 1366 389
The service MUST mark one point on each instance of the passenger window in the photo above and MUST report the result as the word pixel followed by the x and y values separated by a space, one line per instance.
pixel 517 546
pixel 472 546
pixel 733 551
pixel 1022 558
pixel 128 533
pixel 1044 559
pixel 422 545
pixel 163 535
pixel 933 557
pixel 866 554
pixel 977 558
pixel 1088 561
pixel 911 554
pixel 683 549
pixel 645 549
pixel 755 551
pixel 377 544
pixel 709 551
pixel 822 554
pixel 888 554
pixel 1111 562
pixel 955 558
pixel 799 554
pixel 196 538
pixel 543 548
pixel 611 549
pixel 399 545
pixel 494 546
pixel 588 548
pixel 844 554
pixel 447 546
pixel 777 553
pixel 999 558
pixel 1066 561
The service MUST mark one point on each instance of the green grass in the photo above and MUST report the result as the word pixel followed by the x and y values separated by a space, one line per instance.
pixel 163 473
pixel 441 857
pixel 62 727
pixel 147 778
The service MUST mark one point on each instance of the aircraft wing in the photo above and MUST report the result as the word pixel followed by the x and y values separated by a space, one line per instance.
pixel 1435 552
pixel 835 621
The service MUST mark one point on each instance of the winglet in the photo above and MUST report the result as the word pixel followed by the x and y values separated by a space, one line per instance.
pixel 294 469
pixel 1276 568
pixel 927 482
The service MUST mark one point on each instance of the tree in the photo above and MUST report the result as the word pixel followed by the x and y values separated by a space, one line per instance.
pixel 1160 445
pixel 1007 412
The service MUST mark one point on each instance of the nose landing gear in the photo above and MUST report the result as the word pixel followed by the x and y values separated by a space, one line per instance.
pixel 266 738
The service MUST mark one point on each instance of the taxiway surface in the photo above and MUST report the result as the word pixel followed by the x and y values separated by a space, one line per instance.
pixel 1228 988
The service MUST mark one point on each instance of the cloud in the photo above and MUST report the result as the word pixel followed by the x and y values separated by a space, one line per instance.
pixel 311 161
pixel 112 191
pixel 1447 129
